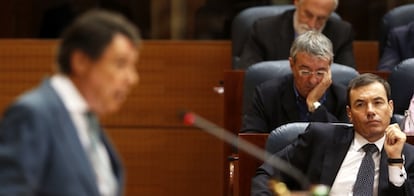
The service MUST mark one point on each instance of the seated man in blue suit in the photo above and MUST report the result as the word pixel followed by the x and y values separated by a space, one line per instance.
pixel 50 140
pixel 271 37
pixel 307 95
pixel 399 46
pixel 332 154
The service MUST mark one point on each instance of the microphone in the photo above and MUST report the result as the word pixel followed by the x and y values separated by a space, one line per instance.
pixel 192 119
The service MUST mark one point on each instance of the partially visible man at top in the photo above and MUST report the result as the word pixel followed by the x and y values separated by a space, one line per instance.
pixel 50 140
pixel 271 37
pixel 307 95
pixel 399 47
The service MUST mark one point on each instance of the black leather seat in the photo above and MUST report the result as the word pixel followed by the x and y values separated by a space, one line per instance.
pixel 286 134
pixel 396 17
pixel 243 22
pixel 401 81
pixel 266 70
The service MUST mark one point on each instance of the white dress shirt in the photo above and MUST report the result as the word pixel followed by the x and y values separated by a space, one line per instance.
pixel 78 107
pixel 347 174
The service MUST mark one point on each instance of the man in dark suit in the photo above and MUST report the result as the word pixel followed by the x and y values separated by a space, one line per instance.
pixel 399 46
pixel 50 141
pixel 331 154
pixel 271 37
pixel 306 95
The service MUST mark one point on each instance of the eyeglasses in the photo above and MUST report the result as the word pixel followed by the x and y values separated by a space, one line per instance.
pixel 307 73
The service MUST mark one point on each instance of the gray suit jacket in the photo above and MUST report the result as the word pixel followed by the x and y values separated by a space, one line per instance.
pixel 271 39
pixel 319 153
pixel 40 151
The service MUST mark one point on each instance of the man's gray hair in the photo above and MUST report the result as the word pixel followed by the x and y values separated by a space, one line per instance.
pixel 314 44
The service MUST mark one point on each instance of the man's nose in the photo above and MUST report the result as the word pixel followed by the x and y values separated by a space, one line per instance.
pixel 134 78
pixel 370 110
pixel 313 79
pixel 312 22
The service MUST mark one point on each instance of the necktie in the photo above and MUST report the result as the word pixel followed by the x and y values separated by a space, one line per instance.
pixel 364 183
pixel 101 164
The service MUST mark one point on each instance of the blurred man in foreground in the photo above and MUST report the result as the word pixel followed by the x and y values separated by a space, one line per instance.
pixel 50 140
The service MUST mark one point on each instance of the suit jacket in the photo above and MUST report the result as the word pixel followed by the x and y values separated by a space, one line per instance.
pixel 319 152
pixel 40 150
pixel 274 104
pixel 271 39
pixel 399 46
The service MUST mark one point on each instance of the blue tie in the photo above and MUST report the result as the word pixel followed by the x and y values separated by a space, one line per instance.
pixel 364 184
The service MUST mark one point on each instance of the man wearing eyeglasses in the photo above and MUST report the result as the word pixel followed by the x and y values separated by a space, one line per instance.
pixel 308 94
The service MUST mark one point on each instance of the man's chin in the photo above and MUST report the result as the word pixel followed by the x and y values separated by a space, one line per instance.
pixel 114 108
pixel 376 129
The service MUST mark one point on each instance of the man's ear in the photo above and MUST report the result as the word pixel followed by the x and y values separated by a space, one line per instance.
pixel 291 63
pixel 348 112
pixel 296 3
pixel 391 105
pixel 79 62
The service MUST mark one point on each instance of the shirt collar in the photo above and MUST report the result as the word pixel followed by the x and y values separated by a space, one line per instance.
pixel 70 95
pixel 360 141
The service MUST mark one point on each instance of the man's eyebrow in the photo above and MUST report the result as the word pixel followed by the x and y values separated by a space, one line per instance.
pixel 304 66
pixel 379 98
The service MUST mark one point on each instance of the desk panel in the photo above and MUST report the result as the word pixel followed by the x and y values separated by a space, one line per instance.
pixel 174 161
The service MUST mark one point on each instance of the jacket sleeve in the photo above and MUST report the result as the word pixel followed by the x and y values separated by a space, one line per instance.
pixel 22 152
pixel 254 120
pixel 390 57
pixel 323 115
pixel 296 155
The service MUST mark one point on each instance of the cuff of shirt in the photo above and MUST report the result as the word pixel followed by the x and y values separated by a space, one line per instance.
pixel 397 176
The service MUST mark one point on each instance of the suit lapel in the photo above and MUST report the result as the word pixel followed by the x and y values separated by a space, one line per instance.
pixel 383 174
pixel 70 139
pixel 335 154
pixel 115 161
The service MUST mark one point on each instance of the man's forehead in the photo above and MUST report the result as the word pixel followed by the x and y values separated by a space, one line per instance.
pixel 370 91
pixel 304 59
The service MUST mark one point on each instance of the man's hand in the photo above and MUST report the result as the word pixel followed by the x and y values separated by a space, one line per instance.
pixel 394 141
pixel 319 89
